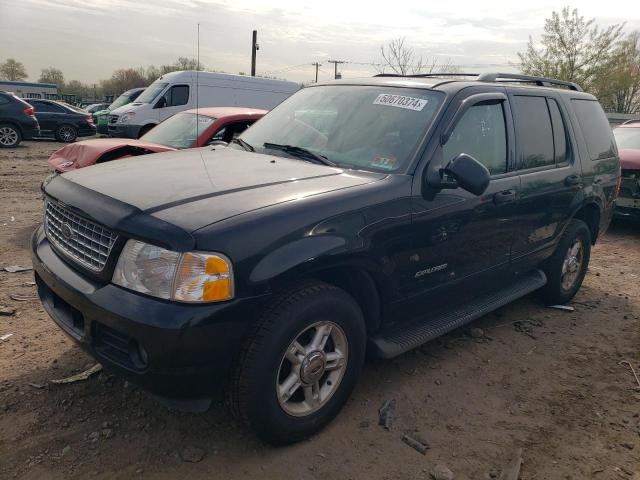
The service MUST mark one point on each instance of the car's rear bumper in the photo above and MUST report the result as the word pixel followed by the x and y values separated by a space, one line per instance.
pixel 87 131
pixel 124 131
pixel 174 350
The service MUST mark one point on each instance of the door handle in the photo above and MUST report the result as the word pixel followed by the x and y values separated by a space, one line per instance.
pixel 506 196
pixel 572 180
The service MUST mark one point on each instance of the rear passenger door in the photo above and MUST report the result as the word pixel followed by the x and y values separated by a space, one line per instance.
pixel 550 173
pixel 48 115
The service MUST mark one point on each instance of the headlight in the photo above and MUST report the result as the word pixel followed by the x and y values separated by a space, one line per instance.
pixel 125 117
pixel 184 277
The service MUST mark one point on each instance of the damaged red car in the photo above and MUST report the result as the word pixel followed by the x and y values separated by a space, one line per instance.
pixel 628 140
pixel 188 129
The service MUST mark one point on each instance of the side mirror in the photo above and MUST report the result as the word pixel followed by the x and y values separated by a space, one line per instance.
pixel 162 102
pixel 468 173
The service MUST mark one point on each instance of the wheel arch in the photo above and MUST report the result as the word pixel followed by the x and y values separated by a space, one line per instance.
pixel 590 214
pixel 13 124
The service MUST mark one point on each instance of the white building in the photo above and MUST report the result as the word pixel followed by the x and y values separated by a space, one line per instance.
pixel 30 90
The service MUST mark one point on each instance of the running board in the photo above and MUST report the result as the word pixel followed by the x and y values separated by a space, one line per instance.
pixel 405 337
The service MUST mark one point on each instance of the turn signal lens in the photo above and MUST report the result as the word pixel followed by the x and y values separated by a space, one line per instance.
pixel 203 277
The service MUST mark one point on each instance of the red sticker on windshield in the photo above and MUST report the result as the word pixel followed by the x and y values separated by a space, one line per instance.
pixel 388 163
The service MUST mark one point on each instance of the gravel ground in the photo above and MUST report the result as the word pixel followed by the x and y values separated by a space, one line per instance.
pixel 526 377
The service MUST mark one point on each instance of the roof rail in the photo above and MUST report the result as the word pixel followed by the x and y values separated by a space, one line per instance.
pixel 540 81
pixel 427 75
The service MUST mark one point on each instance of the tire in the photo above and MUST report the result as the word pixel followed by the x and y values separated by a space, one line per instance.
pixel 256 393
pixel 144 130
pixel 10 136
pixel 66 133
pixel 564 281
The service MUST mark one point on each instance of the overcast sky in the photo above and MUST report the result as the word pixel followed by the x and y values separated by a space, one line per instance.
pixel 88 39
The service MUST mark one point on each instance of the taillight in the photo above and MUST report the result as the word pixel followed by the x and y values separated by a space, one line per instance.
pixel 616 192
pixel 90 119
pixel 29 111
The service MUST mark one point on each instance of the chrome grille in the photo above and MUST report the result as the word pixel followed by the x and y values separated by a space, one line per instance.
pixel 86 242
pixel 113 118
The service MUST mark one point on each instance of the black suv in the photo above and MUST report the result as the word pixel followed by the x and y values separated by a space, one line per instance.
pixel 62 121
pixel 17 121
pixel 367 215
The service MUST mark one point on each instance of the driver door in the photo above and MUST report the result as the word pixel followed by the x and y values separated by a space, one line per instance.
pixel 457 235
pixel 173 101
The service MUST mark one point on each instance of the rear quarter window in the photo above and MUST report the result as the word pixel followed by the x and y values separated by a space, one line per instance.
pixel 595 128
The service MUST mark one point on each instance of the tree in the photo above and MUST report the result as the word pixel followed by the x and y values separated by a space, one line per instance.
pixel 618 86
pixel 403 60
pixel 572 49
pixel 184 63
pixel 12 70
pixel 52 75
pixel 124 79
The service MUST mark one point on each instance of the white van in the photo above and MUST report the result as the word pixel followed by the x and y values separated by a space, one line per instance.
pixel 175 92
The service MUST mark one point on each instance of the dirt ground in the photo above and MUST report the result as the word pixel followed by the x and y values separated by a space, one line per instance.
pixel 545 381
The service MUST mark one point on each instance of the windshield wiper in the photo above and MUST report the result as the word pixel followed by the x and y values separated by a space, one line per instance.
pixel 301 153
pixel 243 144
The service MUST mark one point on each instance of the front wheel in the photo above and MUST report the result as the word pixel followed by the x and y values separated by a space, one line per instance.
pixel 66 133
pixel 9 136
pixel 567 267
pixel 299 364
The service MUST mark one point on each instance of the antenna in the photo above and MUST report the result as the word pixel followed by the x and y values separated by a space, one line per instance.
pixel 198 88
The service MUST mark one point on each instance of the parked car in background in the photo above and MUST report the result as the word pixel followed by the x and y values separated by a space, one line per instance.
pixel 190 129
pixel 17 121
pixel 176 92
pixel 95 108
pixel 101 117
pixel 62 121
pixel 628 140
pixel 269 268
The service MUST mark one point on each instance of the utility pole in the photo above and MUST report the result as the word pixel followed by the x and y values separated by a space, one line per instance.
pixel 254 48
pixel 317 65
pixel 335 63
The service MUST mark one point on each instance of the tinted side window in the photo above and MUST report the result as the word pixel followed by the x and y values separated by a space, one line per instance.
pixel 481 133
pixel 559 132
pixel 177 95
pixel 595 128
pixel 534 135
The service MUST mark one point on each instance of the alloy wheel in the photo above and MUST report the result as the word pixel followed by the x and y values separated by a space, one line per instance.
pixel 8 136
pixel 572 264
pixel 312 368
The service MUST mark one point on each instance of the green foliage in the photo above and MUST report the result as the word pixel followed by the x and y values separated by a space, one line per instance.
pixel 604 62
pixel 12 70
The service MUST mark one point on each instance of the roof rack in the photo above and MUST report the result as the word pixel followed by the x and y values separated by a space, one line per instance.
pixel 494 77
pixel 540 81
pixel 427 75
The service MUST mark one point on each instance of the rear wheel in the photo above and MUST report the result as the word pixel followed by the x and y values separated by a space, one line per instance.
pixel 299 364
pixel 66 133
pixel 9 136
pixel 567 267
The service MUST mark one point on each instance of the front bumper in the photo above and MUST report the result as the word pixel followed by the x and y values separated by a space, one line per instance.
pixel 173 350
pixel 627 213
pixel 124 130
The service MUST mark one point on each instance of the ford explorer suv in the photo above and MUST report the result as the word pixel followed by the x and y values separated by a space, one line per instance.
pixel 358 217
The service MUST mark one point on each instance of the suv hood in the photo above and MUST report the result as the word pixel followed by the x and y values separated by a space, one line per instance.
pixel 197 187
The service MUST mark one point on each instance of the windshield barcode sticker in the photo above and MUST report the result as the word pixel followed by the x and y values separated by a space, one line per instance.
pixel 400 101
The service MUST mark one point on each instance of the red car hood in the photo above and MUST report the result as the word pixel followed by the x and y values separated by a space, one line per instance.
pixel 629 159
pixel 86 153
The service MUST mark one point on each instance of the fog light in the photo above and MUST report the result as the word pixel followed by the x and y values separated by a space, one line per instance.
pixel 138 354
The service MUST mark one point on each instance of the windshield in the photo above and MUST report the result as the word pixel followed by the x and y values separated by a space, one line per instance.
pixel 370 128
pixel 179 131
pixel 123 99
pixel 151 92
pixel 627 138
